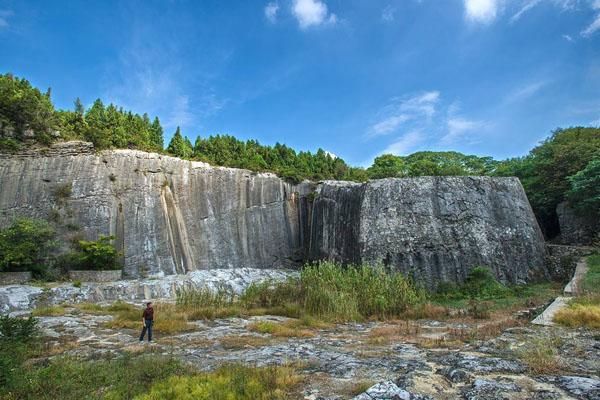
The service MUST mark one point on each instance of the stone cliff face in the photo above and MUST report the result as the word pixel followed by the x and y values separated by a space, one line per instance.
pixel 171 216
pixel 168 215
pixel 433 228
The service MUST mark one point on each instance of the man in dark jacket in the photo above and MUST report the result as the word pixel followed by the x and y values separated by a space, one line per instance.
pixel 147 321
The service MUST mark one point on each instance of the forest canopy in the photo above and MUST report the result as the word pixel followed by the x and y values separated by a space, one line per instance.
pixel 564 167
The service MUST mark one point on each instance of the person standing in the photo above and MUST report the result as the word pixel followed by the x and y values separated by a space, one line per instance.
pixel 147 321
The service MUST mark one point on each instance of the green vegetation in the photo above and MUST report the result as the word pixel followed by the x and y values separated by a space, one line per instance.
pixel 541 355
pixel 591 280
pixel 430 163
pixel 546 173
pixel 584 194
pixel 25 245
pixel 481 293
pixel 95 255
pixel 325 291
pixel 28 115
pixel 230 382
pixel 24 112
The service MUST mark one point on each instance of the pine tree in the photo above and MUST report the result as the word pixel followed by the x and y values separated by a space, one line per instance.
pixel 156 135
pixel 180 146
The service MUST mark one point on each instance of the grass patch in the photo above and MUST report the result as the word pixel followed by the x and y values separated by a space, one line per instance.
pixel 579 315
pixel 541 355
pixel 286 329
pixel 482 294
pixel 168 319
pixel 51 311
pixel 227 383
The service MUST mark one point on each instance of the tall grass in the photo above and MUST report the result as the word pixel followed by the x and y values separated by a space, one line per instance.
pixel 325 290
pixel 356 292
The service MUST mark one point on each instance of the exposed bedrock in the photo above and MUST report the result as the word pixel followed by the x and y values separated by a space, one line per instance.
pixel 171 216
pixel 432 228
pixel 168 215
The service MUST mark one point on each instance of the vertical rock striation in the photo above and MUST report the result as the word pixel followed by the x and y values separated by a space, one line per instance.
pixel 171 216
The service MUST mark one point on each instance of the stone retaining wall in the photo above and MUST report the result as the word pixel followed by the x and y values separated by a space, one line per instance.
pixel 12 278
pixel 96 276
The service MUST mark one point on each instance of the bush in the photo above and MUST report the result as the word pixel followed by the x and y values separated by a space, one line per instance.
pixel 18 329
pixel 25 245
pixel 99 255
pixel 480 285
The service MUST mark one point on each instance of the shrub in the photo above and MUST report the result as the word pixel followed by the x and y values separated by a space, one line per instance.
pixel 63 191
pixel 18 329
pixel 228 382
pixel 96 255
pixel 24 246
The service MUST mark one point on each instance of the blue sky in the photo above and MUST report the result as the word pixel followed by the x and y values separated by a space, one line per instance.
pixel 355 77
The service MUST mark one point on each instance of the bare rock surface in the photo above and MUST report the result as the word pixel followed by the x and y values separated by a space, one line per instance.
pixel 337 358
pixel 433 228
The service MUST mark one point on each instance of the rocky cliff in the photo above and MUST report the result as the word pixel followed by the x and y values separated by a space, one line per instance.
pixel 171 216
pixel 433 228
pixel 168 215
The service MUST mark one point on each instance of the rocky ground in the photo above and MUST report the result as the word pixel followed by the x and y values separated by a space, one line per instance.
pixel 454 358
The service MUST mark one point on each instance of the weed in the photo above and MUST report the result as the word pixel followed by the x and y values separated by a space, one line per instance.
pixel 51 311
pixel 541 355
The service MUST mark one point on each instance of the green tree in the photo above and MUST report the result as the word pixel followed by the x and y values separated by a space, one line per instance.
pixel 25 109
pixel 24 246
pixel 545 171
pixel 584 194
pixel 180 146
pixel 386 166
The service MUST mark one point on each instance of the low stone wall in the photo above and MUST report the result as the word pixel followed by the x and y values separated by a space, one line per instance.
pixel 14 278
pixel 96 276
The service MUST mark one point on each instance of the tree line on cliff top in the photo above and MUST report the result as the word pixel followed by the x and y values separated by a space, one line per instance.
pixel 565 166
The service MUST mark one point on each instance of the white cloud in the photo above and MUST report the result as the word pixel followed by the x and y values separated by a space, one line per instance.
pixel 592 27
pixel 458 127
pixel 524 92
pixel 401 110
pixel 481 11
pixel 388 14
pixel 527 5
pixel 271 10
pixel 405 143
pixel 568 38
pixel 4 16
pixel 312 13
